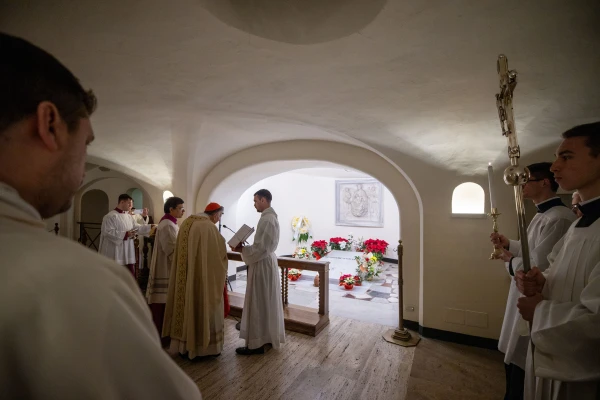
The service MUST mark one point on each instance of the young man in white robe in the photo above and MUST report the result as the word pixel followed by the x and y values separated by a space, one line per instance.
pixel 140 219
pixel 563 302
pixel 117 234
pixel 547 227
pixel 262 319
pixel 74 324
pixel 165 240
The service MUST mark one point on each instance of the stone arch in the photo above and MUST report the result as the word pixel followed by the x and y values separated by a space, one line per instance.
pixel 138 197
pixel 94 205
pixel 77 204
pixel 225 182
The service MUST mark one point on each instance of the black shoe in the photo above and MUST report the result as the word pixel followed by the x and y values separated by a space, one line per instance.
pixel 238 325
pixel 244 351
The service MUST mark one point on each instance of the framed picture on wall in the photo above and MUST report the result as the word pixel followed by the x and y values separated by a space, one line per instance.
pixel 359 202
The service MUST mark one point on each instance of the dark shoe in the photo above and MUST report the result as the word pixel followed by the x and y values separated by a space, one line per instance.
pixel 238 325
pixel 244 351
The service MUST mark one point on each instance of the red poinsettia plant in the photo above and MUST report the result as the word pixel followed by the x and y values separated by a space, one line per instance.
pixel 319 248
pixel 376 246
pixel 338 243
pixel 347 281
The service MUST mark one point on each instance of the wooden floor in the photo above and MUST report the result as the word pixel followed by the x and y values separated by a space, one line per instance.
pixel 347 360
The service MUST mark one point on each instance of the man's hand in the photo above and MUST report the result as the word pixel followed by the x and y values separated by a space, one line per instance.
pixel 145 212
pixel 131 234
pixel 526 305
pixel 499 240
pixel 531 283
pixel 506 255
pixel 238 248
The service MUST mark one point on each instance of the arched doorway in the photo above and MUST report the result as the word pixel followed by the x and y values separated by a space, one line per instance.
pixel 314 194
pixel 94 206
pixel 138 197
pixel 223 183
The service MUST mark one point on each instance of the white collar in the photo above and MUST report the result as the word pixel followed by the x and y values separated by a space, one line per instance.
pixel 10 195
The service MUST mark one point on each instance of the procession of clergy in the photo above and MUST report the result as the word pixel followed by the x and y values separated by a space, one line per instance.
pixel 187 290
pixel 63 303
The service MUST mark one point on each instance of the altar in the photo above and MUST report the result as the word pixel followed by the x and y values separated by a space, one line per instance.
pixel 340 263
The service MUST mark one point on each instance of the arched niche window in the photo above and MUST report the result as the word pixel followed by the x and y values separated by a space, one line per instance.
pixel 166 195
pixel 468 198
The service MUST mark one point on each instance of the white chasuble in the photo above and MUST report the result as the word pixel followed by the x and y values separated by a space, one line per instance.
pixel 262 318
pixel 74 324
pixel 544 231
pixel 162 259
pixel 113 243
pixel 566 324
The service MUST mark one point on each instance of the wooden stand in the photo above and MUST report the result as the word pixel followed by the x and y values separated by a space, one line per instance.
pixel 401 336
pixel 297 318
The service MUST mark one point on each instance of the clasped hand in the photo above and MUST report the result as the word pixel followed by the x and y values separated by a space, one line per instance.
pixel 531 285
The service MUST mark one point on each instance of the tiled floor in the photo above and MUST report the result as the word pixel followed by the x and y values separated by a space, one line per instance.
pixel 375 301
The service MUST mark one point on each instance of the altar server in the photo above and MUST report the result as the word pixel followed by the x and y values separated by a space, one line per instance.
pixel 117 233
pixel 162 259
pixel 73 323
pixel 547 227
pixel 563 302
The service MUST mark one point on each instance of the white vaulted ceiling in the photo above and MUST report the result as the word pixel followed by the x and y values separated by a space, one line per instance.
pixel 193 81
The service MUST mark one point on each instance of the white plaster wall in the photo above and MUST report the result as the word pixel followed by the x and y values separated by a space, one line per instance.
pixel 313 196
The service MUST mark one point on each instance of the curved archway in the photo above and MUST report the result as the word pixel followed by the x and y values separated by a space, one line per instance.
pixel 94 205
pixel 89 186
pixel 224 182
pixel 138 197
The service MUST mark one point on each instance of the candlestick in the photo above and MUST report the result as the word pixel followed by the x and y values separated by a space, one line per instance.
pixel 490 179
pixel 494 214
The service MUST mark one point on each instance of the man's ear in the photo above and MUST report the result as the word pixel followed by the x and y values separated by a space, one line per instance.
pixel 50 125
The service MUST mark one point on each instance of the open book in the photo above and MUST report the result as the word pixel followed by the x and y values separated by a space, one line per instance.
pixel 241 236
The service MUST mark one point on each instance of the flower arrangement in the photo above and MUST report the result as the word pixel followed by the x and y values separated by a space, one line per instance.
pixel 360 245
pixel 302 253
pixel 338 243
pixel 369 266
pixel 294 274
pixel 376 246
pixel 301 228
pixel 357 280
pixel 350 242
pixel 347 281
pixel 319 248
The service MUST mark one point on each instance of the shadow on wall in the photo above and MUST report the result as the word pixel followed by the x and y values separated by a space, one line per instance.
pixel 297 21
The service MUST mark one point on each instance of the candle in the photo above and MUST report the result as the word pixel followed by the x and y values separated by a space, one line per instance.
pixel 490 176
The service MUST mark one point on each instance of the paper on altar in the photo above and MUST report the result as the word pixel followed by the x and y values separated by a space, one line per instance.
pixel 241 236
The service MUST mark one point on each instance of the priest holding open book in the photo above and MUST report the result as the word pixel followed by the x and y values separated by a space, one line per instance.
pixel 194 316
pixel 262 319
